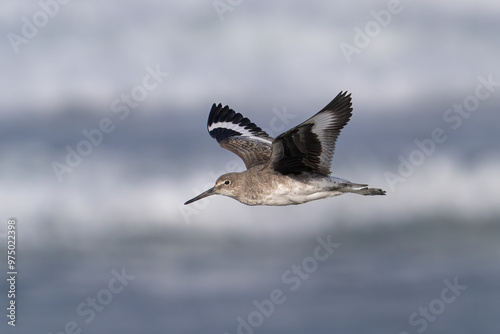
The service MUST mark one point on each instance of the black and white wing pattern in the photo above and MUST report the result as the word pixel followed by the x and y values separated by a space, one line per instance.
pixel 310 145
pixel 239 135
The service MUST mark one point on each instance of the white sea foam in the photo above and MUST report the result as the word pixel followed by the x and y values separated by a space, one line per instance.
pixel 113 196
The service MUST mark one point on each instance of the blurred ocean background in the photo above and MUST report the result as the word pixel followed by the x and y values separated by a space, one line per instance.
pixel 199 268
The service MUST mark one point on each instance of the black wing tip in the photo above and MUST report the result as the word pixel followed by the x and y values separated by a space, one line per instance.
pixel 218 113
pixel 341 103
pixel 344 95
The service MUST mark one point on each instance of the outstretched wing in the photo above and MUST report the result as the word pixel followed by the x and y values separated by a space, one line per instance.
pixel 239 135
pixel 310 145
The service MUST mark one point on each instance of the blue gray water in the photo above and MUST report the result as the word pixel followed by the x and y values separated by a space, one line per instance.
pixel 184 281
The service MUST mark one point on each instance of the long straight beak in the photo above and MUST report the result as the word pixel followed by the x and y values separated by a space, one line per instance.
pixel 204 194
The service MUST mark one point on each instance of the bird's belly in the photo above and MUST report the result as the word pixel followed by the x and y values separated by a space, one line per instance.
pixel 294 199
pixel 297 194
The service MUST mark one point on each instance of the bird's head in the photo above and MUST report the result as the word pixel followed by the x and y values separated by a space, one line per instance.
pixel 225 185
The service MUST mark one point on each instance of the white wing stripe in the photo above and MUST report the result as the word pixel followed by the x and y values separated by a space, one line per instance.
pixel 236 127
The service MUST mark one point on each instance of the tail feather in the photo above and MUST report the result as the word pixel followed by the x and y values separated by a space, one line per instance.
pixel 362 189
pixel 370 191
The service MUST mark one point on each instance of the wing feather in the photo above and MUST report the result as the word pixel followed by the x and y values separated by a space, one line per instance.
pixel 310 146
pixel 239 135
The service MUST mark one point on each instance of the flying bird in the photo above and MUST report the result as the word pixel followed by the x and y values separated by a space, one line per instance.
pixel 293 168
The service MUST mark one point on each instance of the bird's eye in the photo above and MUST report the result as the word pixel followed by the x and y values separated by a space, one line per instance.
pixel 227 182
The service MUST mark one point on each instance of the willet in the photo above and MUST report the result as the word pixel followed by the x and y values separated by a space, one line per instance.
pixel 293 168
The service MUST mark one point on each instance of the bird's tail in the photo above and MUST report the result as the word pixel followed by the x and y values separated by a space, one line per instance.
pixel 362 189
